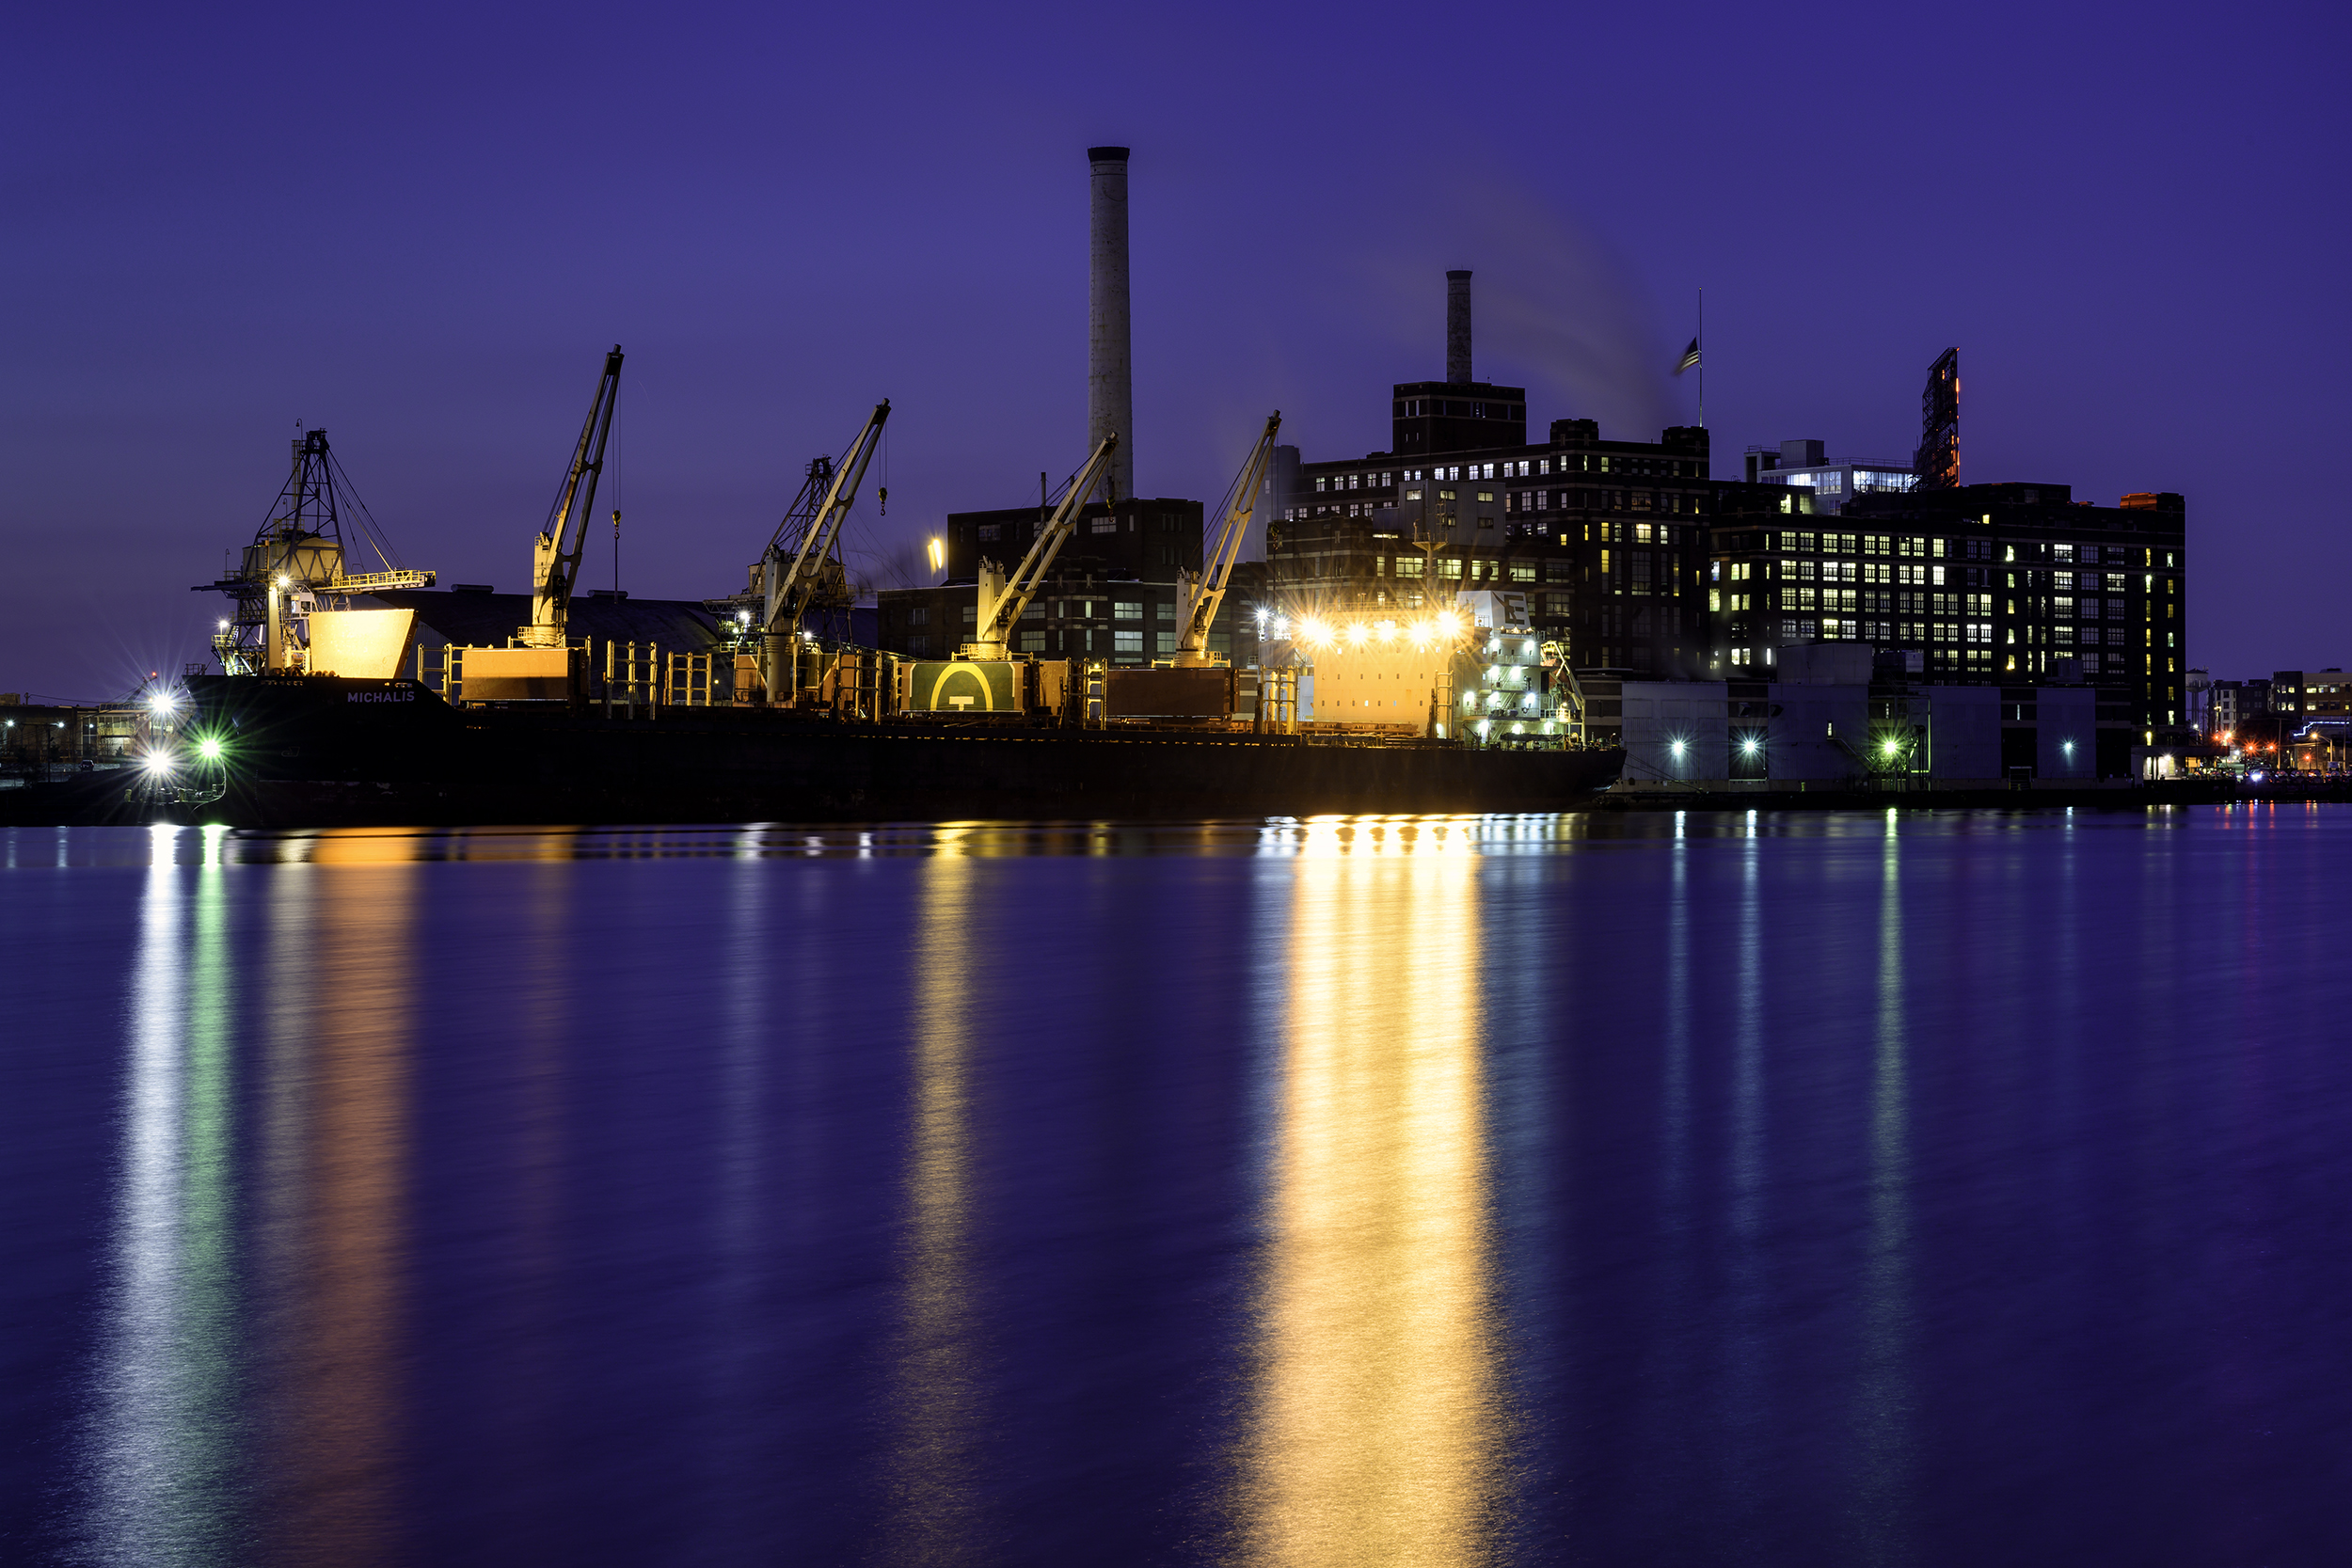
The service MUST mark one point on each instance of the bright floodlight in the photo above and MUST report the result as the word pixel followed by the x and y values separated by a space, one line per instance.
pixel 1890 748
pixel 1748 746
pixel 1450 624
pixel 283 579
pixel 1311 631
pixel 1357 632
pixel 161 702
pixel 1678 748
pixel 209 749
pixel 156 761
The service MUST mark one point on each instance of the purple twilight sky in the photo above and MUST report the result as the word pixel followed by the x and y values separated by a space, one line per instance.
pixel 421 226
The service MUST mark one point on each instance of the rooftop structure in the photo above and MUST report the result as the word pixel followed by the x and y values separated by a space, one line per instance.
pixel 1803 465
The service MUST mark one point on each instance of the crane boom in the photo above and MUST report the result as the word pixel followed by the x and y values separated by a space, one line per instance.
pixel 1198 597
pixel 1003 598
pixel 791 588
pixel 555 553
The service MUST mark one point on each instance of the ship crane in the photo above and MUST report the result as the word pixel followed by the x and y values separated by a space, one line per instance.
pixel 298 558
pixel 1003 598
pixel 555 552
pixel 1198 596
pixel 815 569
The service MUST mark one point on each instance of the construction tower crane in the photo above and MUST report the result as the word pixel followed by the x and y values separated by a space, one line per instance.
pixel 815 567
pixel 1197 597
pixel 555 553
pixel 1002 598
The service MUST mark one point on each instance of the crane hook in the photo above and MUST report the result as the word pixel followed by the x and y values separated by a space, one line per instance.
pixel 883 495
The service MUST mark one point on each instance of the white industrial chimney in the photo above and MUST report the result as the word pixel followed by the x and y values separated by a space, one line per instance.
pixel 1110 347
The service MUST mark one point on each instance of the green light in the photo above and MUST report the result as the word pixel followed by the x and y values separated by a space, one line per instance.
pixel 1890 748
pixel 209 749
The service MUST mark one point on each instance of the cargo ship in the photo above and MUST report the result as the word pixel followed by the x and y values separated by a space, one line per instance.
pixel 350 693
pixel 315 751
pixel 338 703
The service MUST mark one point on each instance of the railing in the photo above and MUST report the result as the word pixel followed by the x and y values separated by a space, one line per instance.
pixel 691 680
pixel 370 583
pixel 631 680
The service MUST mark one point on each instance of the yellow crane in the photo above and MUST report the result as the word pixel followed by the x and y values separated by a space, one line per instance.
pixel 815 569
pixel 555 552
pixel 1198 596
pixel 1003 597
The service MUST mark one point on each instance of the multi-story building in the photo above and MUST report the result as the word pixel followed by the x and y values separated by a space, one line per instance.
pixel 2300 696
pixel 1995 584
pixel 1606 538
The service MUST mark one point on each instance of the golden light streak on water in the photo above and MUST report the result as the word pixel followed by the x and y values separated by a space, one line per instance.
pixel 339 1125
pixel 1379 1427
pixel 938 1402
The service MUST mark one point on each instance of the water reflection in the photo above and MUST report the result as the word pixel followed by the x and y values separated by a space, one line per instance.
pixel 1379 1424
pixel 163 1446
pixel 939 1402
pixel 342 976
pixel 1885 1416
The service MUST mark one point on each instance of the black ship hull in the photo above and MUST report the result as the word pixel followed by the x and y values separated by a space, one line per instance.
pixel 318 751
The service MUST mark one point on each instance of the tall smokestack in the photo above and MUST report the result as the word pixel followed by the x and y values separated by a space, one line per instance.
pixel 1457 328
pixel 1110 347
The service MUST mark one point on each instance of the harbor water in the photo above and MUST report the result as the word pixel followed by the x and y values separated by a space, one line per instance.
pixel 1680 1188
